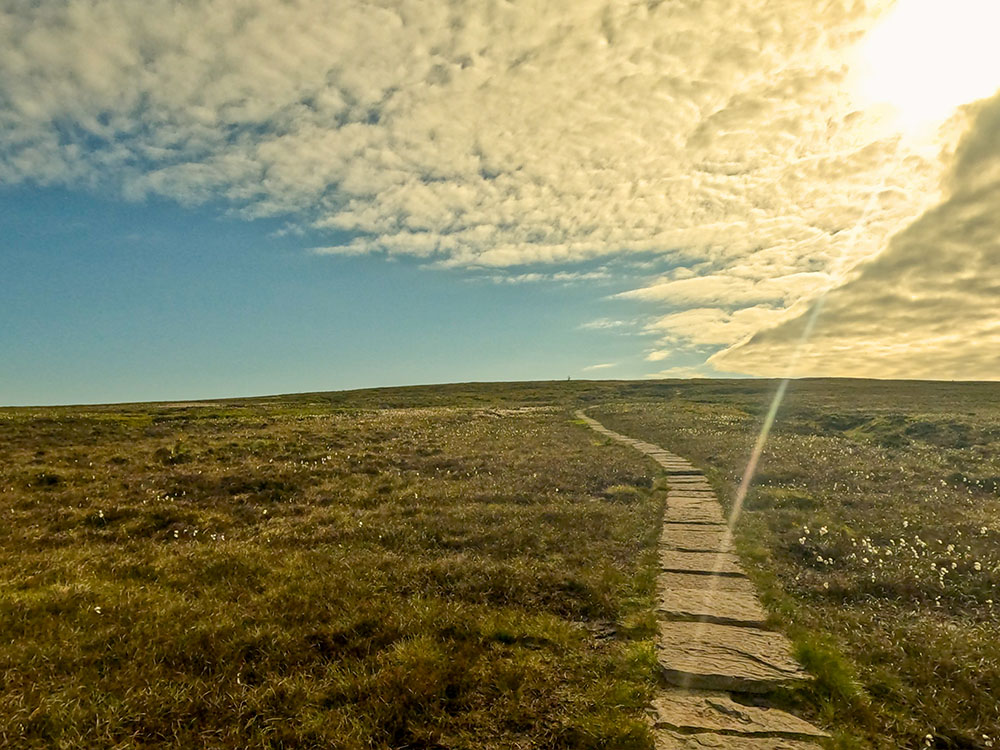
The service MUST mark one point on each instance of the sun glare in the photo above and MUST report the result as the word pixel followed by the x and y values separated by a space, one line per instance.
pixel 928 57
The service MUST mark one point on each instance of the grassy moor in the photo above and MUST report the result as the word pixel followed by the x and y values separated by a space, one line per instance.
pixel 470 566
pixel 275 575
pixel 873 530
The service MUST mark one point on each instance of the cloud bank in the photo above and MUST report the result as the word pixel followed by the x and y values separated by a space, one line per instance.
pixel 928 307
pixel 499 137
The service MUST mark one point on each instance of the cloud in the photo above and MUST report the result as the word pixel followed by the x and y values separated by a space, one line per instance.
pixel 604 324
pixel 682 372
pixel 471 134
pixel 731 290
pixel 602 366
pixel 561 277
pixel 928 307
pixel 712 326
pixel 500 139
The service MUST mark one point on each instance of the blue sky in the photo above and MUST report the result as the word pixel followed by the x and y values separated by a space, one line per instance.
pixel 231 197
pixel 109 300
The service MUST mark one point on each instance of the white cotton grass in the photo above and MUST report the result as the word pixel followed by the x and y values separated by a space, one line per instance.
pixel 903 561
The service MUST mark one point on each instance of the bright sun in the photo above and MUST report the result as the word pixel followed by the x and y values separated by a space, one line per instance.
pixel 927 57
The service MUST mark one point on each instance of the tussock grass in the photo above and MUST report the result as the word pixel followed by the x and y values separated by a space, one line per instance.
pixel 872 532
pixel 317 572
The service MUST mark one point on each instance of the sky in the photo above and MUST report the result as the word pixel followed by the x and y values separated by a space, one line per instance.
pixel 234 197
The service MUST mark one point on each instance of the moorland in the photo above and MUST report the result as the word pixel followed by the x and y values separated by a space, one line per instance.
pixel 469 566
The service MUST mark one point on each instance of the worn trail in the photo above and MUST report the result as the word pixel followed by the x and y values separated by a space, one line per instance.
pixel 714 647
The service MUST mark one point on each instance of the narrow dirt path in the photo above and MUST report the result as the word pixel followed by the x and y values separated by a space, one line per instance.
pixel 714 647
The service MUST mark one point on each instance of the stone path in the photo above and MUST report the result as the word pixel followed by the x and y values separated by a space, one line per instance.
pixel 714 647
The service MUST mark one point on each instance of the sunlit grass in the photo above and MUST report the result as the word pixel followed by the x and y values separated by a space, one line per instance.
pixel 287 575
pixel 872 532
pixel 465 566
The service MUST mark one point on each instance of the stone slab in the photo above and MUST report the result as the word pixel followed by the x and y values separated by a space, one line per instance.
pixel 715 563
pixel 693 501
pixel 707 656
pixel 710 604
pixel 669 580
pixel 668 739
pixel 703 513
pixel 695 538
pixel 701 711
pixel 691 498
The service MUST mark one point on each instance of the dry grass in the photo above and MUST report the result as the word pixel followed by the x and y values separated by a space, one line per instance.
pixel 464 567
pixel 873 529
pixel 296 573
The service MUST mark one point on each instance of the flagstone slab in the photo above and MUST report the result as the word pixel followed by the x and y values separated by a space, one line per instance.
pixel 692 498
pixel 704 513
pixel 702 711
pixel 695 538
pixel 690 491
pixel 669 739
pixel 669 580
pixel 714 563
pixel 708 656
pixel 705 502
pixel 709 604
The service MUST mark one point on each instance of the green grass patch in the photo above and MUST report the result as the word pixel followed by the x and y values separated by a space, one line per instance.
pixel 296 573
pixel 871 532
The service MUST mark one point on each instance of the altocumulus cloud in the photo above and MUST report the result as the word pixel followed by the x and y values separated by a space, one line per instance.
pixel 498 136
pixel 928 307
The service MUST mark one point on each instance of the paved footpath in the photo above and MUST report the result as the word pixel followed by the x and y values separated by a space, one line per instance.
pixel 714 647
